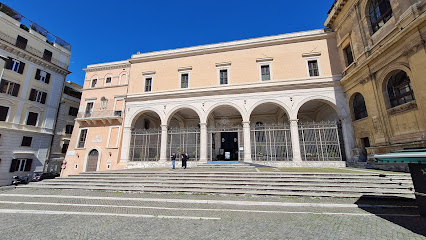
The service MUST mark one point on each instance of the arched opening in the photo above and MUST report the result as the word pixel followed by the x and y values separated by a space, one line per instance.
pixel 145 139
pixel 380 12
pixel 358 107
pixel 92 161
pixel 225 134
pixel 184 133
pixel 270 133
pixel 399 89
pixel 320 132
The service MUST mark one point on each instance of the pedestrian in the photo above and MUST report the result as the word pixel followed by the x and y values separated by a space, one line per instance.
pixel 173 157
pixel 184 159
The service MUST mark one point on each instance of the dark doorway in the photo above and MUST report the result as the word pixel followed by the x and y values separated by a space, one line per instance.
pixel 92 161
pixel 229 146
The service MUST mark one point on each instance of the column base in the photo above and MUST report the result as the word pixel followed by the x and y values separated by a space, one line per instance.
pixel 162 160
pixel 203 160
pixel 249 160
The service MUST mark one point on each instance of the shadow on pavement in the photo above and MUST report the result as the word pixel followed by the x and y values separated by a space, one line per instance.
pixel 401 215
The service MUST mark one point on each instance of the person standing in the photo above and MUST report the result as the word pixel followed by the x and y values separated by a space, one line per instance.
pixel 173 157
pixel 184 159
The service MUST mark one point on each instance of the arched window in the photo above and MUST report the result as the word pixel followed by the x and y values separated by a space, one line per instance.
pixel 380 12
pixel 358 104
pixel 399 89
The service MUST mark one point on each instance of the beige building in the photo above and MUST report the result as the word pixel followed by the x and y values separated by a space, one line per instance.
pixel 68 110
pixel 382 50
pixel 273 100
pixel 30 90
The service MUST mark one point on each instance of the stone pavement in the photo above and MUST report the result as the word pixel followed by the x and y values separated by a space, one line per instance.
pixel 82 214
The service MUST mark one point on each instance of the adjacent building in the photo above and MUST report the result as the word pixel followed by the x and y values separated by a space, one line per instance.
pixel 382 51
pixel 36 65
pixel 273 100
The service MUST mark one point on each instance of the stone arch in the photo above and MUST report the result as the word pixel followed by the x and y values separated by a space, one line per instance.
pixel 337 106
pixel 176 109
pixel 137 114
pixel 106 76
pixel 365 13
pixel 230 104
pixel 87 157
pixel 386 73
pixel 272 101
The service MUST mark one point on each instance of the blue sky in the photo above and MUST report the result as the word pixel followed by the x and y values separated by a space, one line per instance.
pixel 105 31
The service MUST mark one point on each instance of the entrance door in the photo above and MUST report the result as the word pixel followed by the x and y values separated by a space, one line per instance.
pixel 229 144
pixel 92 161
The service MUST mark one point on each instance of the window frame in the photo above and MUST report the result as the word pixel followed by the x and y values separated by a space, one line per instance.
pixel 7 114
pixel 400 96
pixel 262 62
pixel 345 52
pixel 69 111
pixel 66 127
pixel 359 115
pixel 109 137
pixel 94 80
pixel 37 120
pixel 109 75
pixel 183 73
pixel 79 136
pixel 9 89
pixel 310 59
pixel 22 142
pixel 85 108
pixel 15 65
pixel 385 16
pixel 115 104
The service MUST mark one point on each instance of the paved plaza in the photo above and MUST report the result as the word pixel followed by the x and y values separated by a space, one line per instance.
pixel 82 214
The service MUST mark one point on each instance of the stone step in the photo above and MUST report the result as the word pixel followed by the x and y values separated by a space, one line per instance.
pixel 251 187
pixel 261 183
pixel 216 191
pixel 242 178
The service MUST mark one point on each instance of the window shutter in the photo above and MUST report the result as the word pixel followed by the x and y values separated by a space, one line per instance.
pixel 15 89
pixel 13 165
pixel 21 68
pixel 9 63
pixel 43 97
pixel 47 78
pixel 28 165
pixel 32 95
pixel 37 76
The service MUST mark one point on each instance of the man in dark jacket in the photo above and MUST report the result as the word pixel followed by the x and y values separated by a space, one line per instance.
pixel 184 159
pixel 173 157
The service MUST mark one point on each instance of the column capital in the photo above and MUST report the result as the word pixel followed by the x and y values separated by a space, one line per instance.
pixel 164 127
pixel 203 124
pixel 294 120
pixel 246 122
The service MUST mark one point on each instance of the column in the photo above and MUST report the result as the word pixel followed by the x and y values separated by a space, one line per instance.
pixel 247 146
pixel 295 143
pixel 348 137
pixel 203 142
pixel 125 145
pixel 163 150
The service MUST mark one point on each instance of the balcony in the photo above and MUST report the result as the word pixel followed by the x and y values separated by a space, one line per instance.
pixel 29 25
pixel 95 117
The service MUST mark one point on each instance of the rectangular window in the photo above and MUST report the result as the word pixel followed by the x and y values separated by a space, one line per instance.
pixel 89 109
pixel 148 84
pixel 82 138
pixel 68 129
pixel 9 88
pixel 108 80
pixel 73 111
pixel 21 42
pixel 65 147
pixel 32 118
pixel 313 68
pixel 42 76
pixel 94 82
pixel 184 80
pixel 21 165
pixel 265 72
pixel 3 113
pixel 15 65
pixel 38 96
pixel 47 55
pixel 26 141
pixel 348 55
pixel 223 76
pixel 71 92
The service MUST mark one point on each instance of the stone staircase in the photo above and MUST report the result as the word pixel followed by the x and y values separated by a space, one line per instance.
pixel 343 185
pixel 219 165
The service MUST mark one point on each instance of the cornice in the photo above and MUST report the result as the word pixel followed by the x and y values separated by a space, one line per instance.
pixel 234 45
pixel 306 83
pixel 107 66
pixel 32 58
pixel 334 12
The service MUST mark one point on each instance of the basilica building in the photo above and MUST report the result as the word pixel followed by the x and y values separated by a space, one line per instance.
pixel 320 98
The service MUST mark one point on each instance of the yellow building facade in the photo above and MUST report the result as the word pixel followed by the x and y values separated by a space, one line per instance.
pixel 382 51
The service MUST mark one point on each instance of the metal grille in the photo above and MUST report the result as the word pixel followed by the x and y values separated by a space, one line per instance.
pixel 214 135
pixel 271 143
pixel 145 145
pixel 181 140
pixel 319 141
